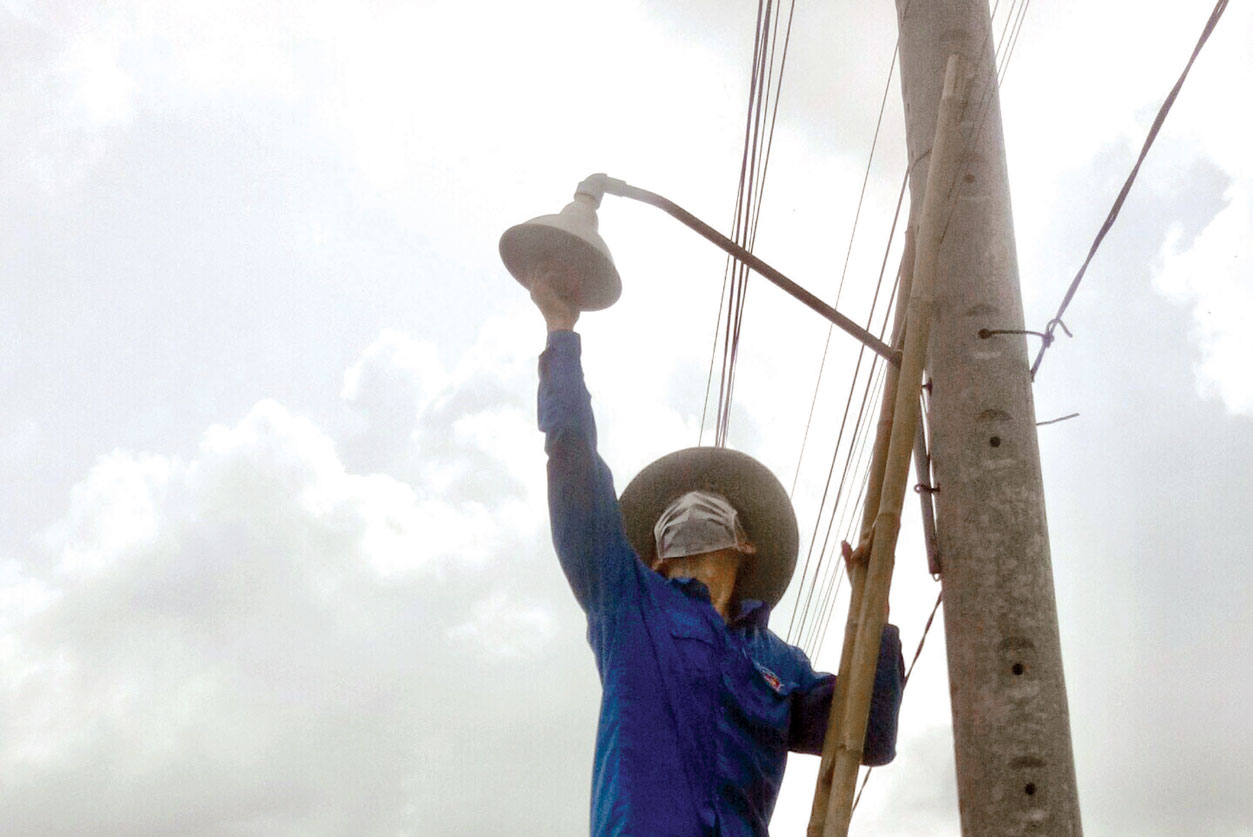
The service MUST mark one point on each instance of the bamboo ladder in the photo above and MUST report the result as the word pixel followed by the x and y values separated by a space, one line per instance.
pixel 889 473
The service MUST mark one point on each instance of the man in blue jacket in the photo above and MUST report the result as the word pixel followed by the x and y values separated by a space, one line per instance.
pixel 701 701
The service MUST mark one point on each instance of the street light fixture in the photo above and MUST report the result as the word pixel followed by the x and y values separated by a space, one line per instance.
pixel 571 237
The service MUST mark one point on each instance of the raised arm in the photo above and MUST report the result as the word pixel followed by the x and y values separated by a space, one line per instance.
pixel 586 522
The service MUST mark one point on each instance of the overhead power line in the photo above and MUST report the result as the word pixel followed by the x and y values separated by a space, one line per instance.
pixel 819 582
pixel 861 197
pixel 1008 51
pixel 1049 330
pixel 764 89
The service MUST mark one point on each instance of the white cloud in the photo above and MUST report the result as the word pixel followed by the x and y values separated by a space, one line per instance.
pixel 20 441
pixel 395 360
pixel 464 434
pixel 21 597
pixel 501 628
pixel 228 45
pixel 102 90
pixel 259 637
pixel 239 641
pixel 114 511
pixel 1210 276
pixel 101 68
pixel 393 380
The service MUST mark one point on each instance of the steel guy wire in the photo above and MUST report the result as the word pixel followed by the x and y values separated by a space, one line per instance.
pixel 1049 329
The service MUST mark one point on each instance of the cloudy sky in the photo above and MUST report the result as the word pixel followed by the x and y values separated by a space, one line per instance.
pixel 273 544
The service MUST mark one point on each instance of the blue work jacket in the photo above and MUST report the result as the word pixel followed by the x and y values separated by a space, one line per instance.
pixel 697 715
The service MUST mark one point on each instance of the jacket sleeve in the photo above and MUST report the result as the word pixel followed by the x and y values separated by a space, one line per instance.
pixel 587 525
pixel 811 705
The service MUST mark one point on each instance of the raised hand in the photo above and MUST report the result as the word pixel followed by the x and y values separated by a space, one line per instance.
pixel 554 290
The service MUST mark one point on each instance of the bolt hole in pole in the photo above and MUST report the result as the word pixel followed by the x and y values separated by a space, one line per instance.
pixel 1029 790
pixel 1017 668
pixel 995 441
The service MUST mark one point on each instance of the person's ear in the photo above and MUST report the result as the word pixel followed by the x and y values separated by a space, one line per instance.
pixel 747 548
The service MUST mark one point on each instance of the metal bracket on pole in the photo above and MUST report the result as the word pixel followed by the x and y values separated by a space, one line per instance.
pixel 922 469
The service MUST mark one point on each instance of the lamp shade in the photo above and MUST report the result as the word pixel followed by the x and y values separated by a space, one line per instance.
pixel 569 238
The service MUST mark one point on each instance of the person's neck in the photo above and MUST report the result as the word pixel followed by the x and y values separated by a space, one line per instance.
pixel 716 570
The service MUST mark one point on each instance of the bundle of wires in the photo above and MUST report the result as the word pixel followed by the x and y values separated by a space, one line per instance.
pixel 765 85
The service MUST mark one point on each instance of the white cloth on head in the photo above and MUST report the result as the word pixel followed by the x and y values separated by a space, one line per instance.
pixel 698 521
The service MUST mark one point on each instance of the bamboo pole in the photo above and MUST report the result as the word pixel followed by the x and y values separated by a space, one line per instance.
pixel 857 571
pixel 887 520
pixel 883 433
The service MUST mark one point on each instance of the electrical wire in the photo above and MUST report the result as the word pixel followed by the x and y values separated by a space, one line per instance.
pixel 807 597
pixel 855 464
pixel 726 297
pixel 917 653
pixel 859 432
pixel 861 196
pixel 765 89
pixel 802 626
pixel 1008 53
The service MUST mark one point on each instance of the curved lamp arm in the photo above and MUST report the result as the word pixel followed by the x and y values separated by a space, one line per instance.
pixel 597 185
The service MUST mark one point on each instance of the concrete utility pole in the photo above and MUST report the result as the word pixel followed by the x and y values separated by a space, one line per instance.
pixel 1015 770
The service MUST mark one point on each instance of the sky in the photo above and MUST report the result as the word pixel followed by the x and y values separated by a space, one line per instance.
pixel 274 554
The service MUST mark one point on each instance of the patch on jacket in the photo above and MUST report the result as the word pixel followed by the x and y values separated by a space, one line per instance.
pixel 771 678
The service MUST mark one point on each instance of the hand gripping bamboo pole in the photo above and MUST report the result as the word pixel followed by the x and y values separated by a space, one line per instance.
pixel 859 679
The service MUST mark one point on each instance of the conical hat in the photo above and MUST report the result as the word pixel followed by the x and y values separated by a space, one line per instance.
pixel 764 509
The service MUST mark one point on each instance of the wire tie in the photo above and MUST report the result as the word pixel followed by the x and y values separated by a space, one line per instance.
pixel 1057 321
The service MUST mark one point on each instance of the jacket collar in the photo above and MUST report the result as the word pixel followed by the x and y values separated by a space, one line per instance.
pixel 752 612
